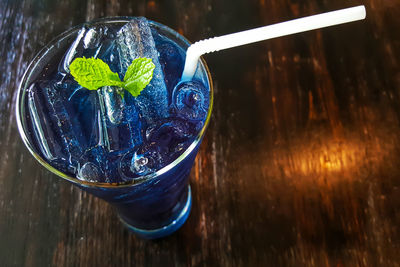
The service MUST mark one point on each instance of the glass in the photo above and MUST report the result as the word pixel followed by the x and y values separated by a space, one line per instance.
pixel 157 204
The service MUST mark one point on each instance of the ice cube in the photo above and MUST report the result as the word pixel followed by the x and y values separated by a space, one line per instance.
pixel 41 126
pixel 135 40
pixel 165 141
pixel 94 165
pixel 190 101
pixel 56 128
pixel 82 105
pixel 90 172
pixel 119 123
pixel 172 61
pixel 97 164
pixel 171 136
pixel 50 144
pixel 142 160
pixel 95 41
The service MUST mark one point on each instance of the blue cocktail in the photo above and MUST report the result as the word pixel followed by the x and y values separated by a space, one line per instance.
pixel 134 152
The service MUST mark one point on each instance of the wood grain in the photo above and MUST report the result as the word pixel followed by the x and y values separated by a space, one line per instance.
pixel 299 166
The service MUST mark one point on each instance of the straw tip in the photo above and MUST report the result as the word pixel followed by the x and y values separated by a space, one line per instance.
pixel 363 12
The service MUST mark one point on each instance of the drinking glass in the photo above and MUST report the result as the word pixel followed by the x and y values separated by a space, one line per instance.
pixel 154 205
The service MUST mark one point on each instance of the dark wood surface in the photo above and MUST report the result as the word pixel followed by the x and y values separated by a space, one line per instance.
pixel 300 165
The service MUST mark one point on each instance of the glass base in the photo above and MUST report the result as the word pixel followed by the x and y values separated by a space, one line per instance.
pixel 165 230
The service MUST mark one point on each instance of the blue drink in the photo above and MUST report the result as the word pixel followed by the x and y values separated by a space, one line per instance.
pixel 135 153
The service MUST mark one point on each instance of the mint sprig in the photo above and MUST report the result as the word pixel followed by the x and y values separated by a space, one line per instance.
pixel 94 73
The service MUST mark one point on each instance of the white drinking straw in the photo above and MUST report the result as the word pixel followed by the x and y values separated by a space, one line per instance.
pixel 267 32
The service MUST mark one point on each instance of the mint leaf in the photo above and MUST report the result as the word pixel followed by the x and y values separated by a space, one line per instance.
pixel 138 75
pixel 93 73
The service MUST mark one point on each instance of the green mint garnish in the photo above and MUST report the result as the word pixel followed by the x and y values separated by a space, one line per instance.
pixel 138 75
pixel 94 73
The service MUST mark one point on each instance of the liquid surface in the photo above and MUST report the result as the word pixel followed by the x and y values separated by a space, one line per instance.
pixel 98 136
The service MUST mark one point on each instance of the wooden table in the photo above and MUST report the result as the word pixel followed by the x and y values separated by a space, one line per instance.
pixel 300 165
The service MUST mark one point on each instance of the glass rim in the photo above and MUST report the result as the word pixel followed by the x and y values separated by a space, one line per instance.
pixel 52 45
